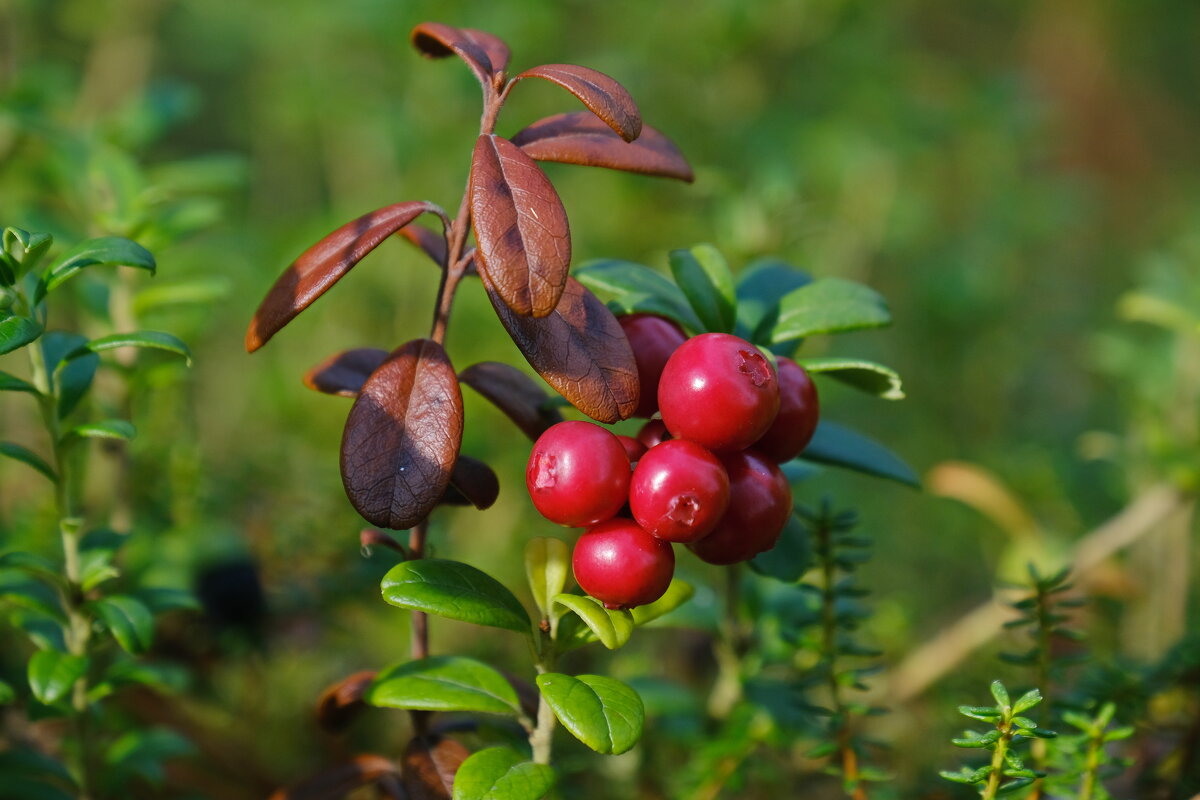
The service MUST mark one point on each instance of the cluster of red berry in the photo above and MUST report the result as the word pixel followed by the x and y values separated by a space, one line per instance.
pixel 705 475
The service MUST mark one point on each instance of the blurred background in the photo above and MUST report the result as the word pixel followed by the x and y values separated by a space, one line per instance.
pixel 1021 181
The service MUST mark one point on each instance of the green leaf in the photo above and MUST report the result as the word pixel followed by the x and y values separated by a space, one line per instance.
pixel 7 694
pixel 1027 701
pixel 791 556
pixel 678 592
pixel 95 568
pixel 105 251
pixel 33 596
pixel 454 590
pixel 501 773
pixel 107 429
pixel 706 281
pixel 612 627
pixel 27 456
pixel 547 564
pixel 165 598
pixel 983 713
pixel 840 446
pixel 867 376
pixel 760 286
pixel 829 305
pixel 154 340
pixel 444 683
pixel 73 378
pixel 26 248
pixel 17 332
pixel 141 752
pixel 1001 694
pixel 52 674
pixel 129 621
pixel 630 287
pixel 33 564
pixel 11 383
pixel 601 712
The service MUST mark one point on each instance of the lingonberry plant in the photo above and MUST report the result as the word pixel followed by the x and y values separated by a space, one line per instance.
pixel 698 478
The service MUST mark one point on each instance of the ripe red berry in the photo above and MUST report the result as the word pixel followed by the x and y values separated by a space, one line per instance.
pixel 720 391
pixel 633 448
pixel 796 422
pixel 653 433
pixel 578 474
pixel 653 340
pixel 679 491
pixel 621 565
pixel 760 502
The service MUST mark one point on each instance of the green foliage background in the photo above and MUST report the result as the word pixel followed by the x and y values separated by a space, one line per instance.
pixel 1002 171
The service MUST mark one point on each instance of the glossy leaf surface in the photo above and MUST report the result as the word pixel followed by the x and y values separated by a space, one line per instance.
pixel 864 375
pixel 105 251
pixel 678 593
pixel 844 447
pixel 612 627
pixel 524 241
pixel 601 712
pixel 128 620
pixel 630 287
pixel 105 429
pixel 516 394
pixel 706 281
pixel 603 96
pixel 52 674
pixel 580 350
pixel 444 683
pixel 580 138
pixel 829 305
pixel 454 590
pixel 323 265
pixel 501 773
pixel 402 436
pixel 17 332
pixel 547 564
pixel 151 340
pixel 484 53
pixel 345 373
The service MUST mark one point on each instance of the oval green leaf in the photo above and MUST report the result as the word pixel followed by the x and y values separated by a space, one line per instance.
pixel 864 375
pixel 601 712
pixel 106 429
pixel 629 287
pixel 11 383
pixel 454 590
pixel 612 627
pixel 154 340
pixel 128 620
pixel 840 446
pixel 17 332
pixel 829 305
pixel 501 773
pixel 547 564
pixel 704 277
pixel 105 251
pixel 678 593
pixel 52 674
pixel 73 378
pixel 444 683
pixel 26 456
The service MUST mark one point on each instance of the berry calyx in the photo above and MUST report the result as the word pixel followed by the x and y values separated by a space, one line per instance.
pixel 760 502
pixel 578 474
pixel 679 491
pixel 799 411
pixel 719 391
pixel 653 340
pixel 621 565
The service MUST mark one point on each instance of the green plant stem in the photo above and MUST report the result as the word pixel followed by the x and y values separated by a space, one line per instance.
pixel 1087 782
pixel 727 688
pixel 541 739
pixel 997 773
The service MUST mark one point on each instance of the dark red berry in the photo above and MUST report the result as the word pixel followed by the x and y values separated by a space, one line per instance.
pixel 653 432
pixel 679 491
pixel 633 448
pixel 720 391
pixel 621 565
pixel 796 422
pixel 760 502
pixel 653 340
pixel 578 474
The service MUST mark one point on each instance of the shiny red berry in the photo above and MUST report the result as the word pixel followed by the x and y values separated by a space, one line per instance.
pixel 633 448
pixel 796 422
pixel 653 432
pixel 719 391
pixel 679 491
pixel 653 340
pixel 621 565
pixel 578 474
pixel 760 502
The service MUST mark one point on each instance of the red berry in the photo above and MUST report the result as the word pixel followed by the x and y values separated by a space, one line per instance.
pixel 633 448
pixel 653 432
pixel 578 474
pixel 720 391
pixel 796 422
pixel 679 491
pixel 760 502
pixel 653 340
pixel 621 565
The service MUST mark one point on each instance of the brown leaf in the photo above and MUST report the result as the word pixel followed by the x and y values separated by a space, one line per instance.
pixel 433 244
pixel 580 350
pixel 580 138
pixel 606 98
pixel 429 765
pixel 524 242
pixel 345 373
pixel 473 483
pixel 323 265
pixel 515 393
pixel 334 783
pixel 402 436
pixel 341 702
pixel 484 53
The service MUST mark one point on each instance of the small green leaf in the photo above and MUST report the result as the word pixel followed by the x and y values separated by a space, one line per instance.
pixel 612 627
pixel 678 593
pixel 791 556
pixel 867 376
pixel 129 621
pixel 840 446
pixel 630 287
pixel 982 713
pixel 706 281
pixel 34 596
pixel 829 305
pixel 73 378
pixel 601 712
pixel 154 340
pixel 105 251
pixel 141 753
pixel 33 564
pixel 1027 701
pixel 454 590
pixel 547 564
pixel 17 332
pixel 760 286
pixel 1001 694
pixel 26 248
pixel 27 456
pixel 160 599
pixel 52 674
pixel 106 429
pixel 444 683
pixel 501 773
pixel 11 383
pixel 95 568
